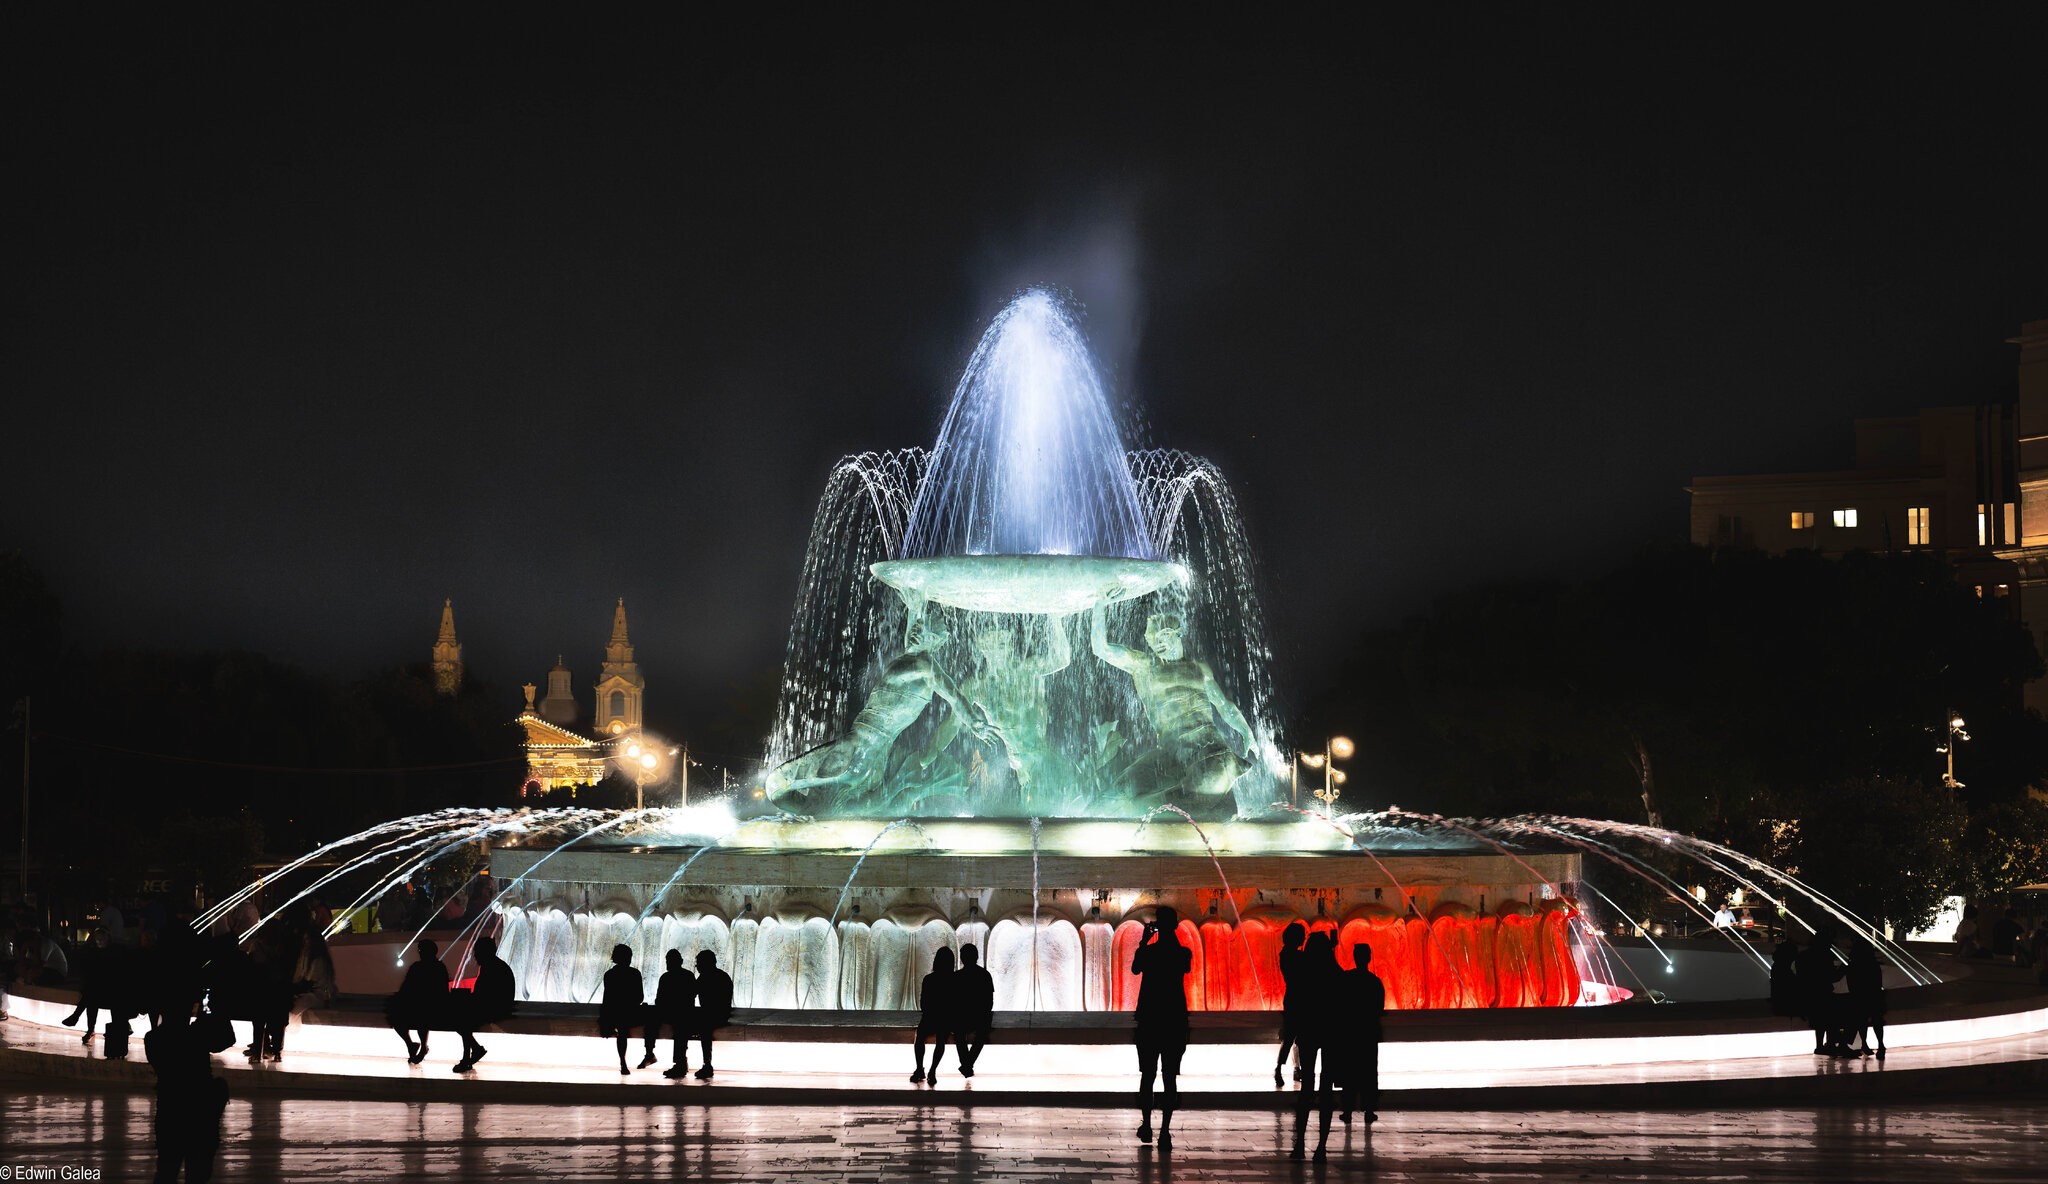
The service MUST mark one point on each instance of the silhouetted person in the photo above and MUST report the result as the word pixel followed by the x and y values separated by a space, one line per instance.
pixel 2005 936
pixel 1316 981
pixel 1291 939
pixel 176 973
pixel 312 972
pixel 935 1018
pixel 421 1001
pixel 714 1005
pixel 1866 995
pixel 271 961
pixel 1818 973
pixel 93 966
pixel 675 1004
pixel 489 1002
pixel 1161 964
pixel 1785 997
pixel 189 1098
pixel 974 1008
pixel 1363 998
pixel 624 1006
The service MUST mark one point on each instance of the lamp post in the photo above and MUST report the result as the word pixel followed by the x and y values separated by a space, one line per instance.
pixel 1336 748
pixel 1948 748
pixel 646 761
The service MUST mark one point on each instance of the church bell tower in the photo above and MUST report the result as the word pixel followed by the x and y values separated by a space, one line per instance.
pixel 447 654
pixel 620 685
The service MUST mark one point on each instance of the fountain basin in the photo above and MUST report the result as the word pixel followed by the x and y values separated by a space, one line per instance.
pixel 1039 584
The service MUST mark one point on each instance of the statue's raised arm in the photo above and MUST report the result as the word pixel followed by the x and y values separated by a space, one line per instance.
pixel 1122 657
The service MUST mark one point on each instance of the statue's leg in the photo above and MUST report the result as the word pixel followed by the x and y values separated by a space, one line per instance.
pixel 1215 771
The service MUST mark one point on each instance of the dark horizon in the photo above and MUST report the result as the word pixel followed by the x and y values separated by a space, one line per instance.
pixel 315 323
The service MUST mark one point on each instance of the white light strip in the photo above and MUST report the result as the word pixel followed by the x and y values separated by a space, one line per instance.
pixel 370 1051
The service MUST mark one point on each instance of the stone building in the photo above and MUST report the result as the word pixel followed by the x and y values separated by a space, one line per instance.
pixel 1970 482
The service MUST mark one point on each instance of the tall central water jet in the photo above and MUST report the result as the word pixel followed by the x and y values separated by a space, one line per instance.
pixel 1027 505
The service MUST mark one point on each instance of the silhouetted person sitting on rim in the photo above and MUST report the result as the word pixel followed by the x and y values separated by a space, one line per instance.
pixel 1363 997
pixel 675 1004
pixel 974 1008
pixel 489 1002
pixel 714 1005
pixel 421 1001
pixel 1290 959
pixel 935 1017
pixel 624 1006
pixel 1161 964
pixel 1316 981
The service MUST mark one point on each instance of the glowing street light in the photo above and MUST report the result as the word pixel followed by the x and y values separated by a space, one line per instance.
pixel 645 761
pixel 1336 748
pixel 1955 733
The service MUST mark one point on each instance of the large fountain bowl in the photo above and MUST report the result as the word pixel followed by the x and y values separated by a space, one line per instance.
pixel 1038 584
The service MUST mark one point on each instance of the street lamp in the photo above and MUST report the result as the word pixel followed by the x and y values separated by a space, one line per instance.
pixel 645 761
pixel 1948 748
pixel 1336 748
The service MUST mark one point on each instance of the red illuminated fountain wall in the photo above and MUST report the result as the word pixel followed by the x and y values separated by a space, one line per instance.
pixel 1518 955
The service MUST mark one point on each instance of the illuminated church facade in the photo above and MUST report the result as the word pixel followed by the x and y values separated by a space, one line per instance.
pixel 561 751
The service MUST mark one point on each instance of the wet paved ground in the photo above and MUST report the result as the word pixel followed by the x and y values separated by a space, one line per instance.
pixel 284 1139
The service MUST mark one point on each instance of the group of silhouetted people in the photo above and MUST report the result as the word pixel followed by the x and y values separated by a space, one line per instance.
pixel 1803 986
pixel 1331 1018
pixel 687 1005
pixel 957 1005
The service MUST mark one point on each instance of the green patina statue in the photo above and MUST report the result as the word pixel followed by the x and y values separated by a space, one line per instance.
pixel 1205 745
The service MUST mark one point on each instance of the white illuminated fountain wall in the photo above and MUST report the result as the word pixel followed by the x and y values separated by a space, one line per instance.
pixel 1026 703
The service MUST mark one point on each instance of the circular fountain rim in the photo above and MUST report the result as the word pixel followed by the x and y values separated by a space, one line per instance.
pixel 1057 584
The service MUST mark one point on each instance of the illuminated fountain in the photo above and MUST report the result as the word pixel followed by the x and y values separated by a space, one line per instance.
pixel 1026 702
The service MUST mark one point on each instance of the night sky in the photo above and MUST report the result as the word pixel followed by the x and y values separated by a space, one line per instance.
pixel 310 326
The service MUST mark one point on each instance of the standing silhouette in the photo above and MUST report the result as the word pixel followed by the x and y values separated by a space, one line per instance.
pixel 1785 978
pixel 1290 958
pixel 935 1019
pixel 675 1004
pixel 1364 997
pixel 974 1003
pixel 1316 981
pixel 420 1001
pixel 1866 995
pixel 1162 964
pixel 714 1005
pixel 1818 972
pixel 189 1098
pixel 93 967
pixel 624 1006
pixel 489 1002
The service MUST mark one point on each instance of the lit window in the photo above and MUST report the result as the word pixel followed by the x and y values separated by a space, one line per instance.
pixel 1983 527
pixel 1919 530
pixel 1802 519
pixel 1845 517
pixel 2012 524
pixel 2002 590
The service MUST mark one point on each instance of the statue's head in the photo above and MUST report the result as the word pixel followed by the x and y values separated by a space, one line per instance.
pixel 1163 633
